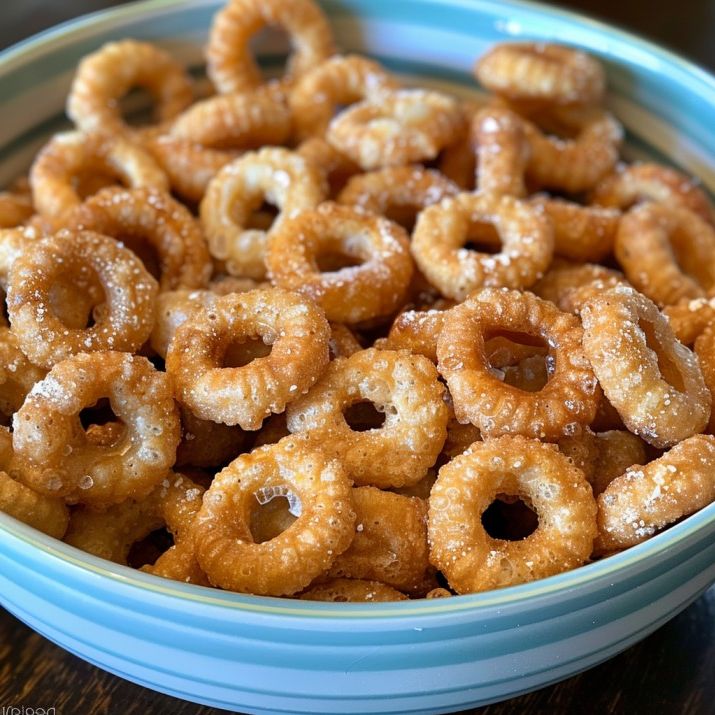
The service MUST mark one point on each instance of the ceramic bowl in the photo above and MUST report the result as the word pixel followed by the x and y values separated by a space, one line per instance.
pixel 263 655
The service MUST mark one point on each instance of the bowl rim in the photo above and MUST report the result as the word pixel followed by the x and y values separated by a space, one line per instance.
pixel 474 603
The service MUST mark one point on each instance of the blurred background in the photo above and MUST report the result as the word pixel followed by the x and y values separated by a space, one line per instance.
pixel 687 26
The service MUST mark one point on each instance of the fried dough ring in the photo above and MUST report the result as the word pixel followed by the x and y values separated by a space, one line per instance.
pixel 189 166
pixel 574 164
pixel 242 120
pixel 17 374
pixel 631 184
pixel 566 403
pixel 279 176
pixel 105 76
pixel 15 208
pixel 398 193
pixel 667 252
pixel 405 388
pixel 472 560
pixel 151 217
pixel 502 151
pixel 230 64
pixel 705 351
pixel 653 381
pixel 225 547
pixel 642 501
pixel 541 72
pixel 373 289
pixel 390 542
pixel 689 318
pixel 110 534
pixel 48 433
pixel 130 295
pixel 335 166
pixel 292 325
pixel 581 233
pixel 70 154
pixel 617 451
pixel 47 514
pixel 340 81
pixel 350 590
pixel 401 127
pixel 569 285
pixel 442 230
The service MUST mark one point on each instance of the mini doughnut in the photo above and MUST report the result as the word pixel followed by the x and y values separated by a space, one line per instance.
pixel 583 452
pixel 274 175
pixel 632 184
pixel 374 288
pixel 230 64
pixel 443 230
pixel 242 120
pixel 536 472
pixel 110 534
pixel 48 433
pixel 350 590
pixel 335 166
pixel 145 219
pixel 343 342
pixel 69 155
pixel 401 127
pixel 390 542
pixel 416 331
pixel 667 252
pixel 689 318
pixel 104 77
pixel 541 72
pixel 189 166
pixel 502 151
pixel 405 388
pixel 566 403
pixel 129 297
pixel 574 164
pixel 642 501
pixel 17 374
pixel 287 563
pixel 569 285
pixel 45 513
pixel 338 82
pixel 617 451
pixel 705 352
pixel 294 328
pixel 207 444
pixel 397 192
pixel 15 208
pixel 653 381
pixel 581 233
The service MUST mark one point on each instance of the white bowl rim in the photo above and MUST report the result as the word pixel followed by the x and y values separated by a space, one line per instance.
pixel 511 596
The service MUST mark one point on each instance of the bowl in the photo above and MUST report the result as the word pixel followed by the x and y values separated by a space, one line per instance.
pixel 266 655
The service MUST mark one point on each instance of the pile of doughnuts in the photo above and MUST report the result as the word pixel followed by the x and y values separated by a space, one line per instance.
pixel 331 337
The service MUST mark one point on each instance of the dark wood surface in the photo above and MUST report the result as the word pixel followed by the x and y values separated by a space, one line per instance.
pixel 672 671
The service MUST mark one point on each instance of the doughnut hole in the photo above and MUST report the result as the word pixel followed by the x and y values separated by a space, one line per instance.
pixel 335 261
pixel 689 261
pixel 363 416
pixel 520 359
pixel 509 519
pixel 76 297
pixel 273 513
pixel 275 40
pixel 88 182
pixel 482 237
pixel 101 425
pixel 262 216
pixel 668 368
pixel 239 354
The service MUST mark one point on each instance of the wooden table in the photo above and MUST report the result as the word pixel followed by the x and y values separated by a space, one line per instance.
pixel 672 671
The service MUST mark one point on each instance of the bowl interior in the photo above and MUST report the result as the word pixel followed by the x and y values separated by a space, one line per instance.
pixel 666 104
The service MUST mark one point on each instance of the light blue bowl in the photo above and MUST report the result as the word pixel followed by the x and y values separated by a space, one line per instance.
pixel 263 655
